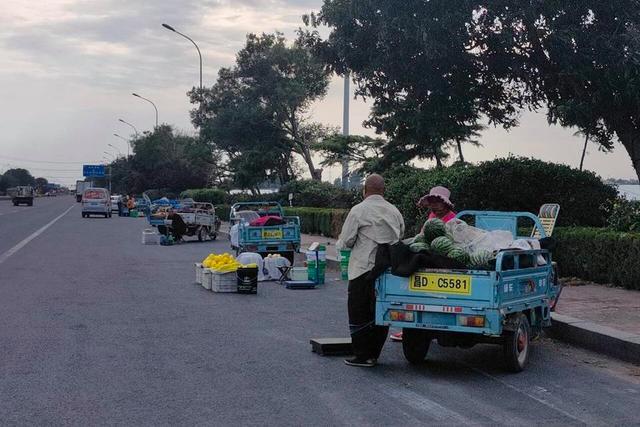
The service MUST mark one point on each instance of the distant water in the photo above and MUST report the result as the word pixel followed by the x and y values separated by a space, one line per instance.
pixel 631 192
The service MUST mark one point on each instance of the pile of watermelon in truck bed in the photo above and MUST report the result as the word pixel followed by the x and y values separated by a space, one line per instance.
pixel 262 227
pixel 502 290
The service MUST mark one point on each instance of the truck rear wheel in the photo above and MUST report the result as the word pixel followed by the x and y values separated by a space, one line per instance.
pixel 415 344
pixel 202 234
pixel 516 345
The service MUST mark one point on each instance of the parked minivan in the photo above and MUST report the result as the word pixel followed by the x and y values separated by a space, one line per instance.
pixel 96 201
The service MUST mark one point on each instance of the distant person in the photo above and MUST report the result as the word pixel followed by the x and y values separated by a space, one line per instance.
pixel 120 206
pixel 178 226
pixel 439 205
pixel 370 223
pixel 131 203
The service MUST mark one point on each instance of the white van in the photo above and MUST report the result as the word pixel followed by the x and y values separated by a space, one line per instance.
pixel 96 201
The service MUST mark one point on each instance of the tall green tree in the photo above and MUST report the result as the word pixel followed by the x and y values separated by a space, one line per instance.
pixel 164 159
pixel 415 61
pixel 271 87
pixel 580 58
pixel 17 176
pixel 434 68
pixel 41 184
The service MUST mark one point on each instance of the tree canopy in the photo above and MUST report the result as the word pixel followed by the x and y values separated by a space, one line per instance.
pixel 256 113
pixel 164 159
pixel 436 68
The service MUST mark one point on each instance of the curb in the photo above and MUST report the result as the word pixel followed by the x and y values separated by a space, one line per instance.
pixel 602 339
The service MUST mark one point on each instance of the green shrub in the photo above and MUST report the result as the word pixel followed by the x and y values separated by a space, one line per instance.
pixel 599 255
pixel 214 196
pixel 509 184
pixel 310 193
pixel 325 222
pixel 623 215
pixel 223 212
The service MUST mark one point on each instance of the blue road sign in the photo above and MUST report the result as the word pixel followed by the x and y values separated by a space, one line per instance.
pixel 93 170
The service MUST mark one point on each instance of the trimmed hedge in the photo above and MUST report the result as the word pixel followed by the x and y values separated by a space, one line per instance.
pixel 214 196
pixel 325 222
pixel 509 184
pixel 599 255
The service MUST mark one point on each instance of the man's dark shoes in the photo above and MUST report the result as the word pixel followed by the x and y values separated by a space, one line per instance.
pixel 362 363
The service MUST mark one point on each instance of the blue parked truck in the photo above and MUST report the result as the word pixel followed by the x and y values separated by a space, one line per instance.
pixel 283 239
pixel 460 308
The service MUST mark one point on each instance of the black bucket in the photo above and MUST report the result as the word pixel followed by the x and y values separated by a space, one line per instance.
pixel 248 280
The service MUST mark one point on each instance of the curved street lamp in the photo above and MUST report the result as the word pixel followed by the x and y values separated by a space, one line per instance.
pixel 116 148
pixel 127 123
pixel 149 101
pixel 125 140
pixel 170 28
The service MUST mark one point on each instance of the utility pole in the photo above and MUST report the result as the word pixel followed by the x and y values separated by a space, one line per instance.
pixel 345 130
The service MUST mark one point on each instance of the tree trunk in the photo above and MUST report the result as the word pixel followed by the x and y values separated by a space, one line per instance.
pixel 436 156
pixel 460 156
pixel 584 149
pixel 316 174
pixel 630 139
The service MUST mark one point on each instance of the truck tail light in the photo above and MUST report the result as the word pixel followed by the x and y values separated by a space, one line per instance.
pixel 401 315
pixel 472 321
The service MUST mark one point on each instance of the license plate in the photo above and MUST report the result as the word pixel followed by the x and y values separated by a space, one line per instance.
pixel 272 234
pixel 94 204
pixel 457 284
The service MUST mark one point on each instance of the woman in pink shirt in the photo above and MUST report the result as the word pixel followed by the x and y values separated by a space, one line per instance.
pixel 439 205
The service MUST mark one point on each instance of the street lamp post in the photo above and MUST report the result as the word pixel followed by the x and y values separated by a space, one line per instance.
pixel 116 148
pixel 125 140
pixel 170 28
pixel 149 101
pixel 127 123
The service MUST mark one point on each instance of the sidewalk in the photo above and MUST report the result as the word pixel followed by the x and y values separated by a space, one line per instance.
pixel 603 319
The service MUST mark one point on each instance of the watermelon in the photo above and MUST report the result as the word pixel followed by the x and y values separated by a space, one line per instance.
pixel 480 259
pixel 419 239
pixel 459 255
pixel 417 247
pixel 441 245
pixel 433 228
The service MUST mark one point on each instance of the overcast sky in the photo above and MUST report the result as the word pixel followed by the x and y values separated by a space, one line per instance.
pixel 68 67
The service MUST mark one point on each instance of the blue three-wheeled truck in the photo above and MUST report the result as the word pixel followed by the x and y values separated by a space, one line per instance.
pixel 505 305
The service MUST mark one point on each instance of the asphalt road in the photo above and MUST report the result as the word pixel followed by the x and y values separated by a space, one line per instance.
pixel 98 329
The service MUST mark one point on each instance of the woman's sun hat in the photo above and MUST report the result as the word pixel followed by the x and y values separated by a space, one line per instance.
pixel 438 192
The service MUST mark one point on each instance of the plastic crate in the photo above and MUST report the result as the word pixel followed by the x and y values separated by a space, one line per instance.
pixel 199 271
pixel 223 282
pixel 206 278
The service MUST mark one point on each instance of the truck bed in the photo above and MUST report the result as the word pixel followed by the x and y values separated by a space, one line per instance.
pixel 439 299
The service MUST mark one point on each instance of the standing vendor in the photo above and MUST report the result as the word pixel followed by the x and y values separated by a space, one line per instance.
pixel 370 223
pixel 439 205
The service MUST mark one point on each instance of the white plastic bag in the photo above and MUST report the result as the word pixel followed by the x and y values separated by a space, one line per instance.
pixel 233 234
pixel 253 258
pixel 473 239
pixel 271 267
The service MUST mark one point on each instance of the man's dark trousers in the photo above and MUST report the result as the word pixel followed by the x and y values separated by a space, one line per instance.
pixel 367 339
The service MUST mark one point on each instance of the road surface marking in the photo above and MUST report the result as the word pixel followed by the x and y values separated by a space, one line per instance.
pixel 5 256
pixel 532 396
pixel 433 409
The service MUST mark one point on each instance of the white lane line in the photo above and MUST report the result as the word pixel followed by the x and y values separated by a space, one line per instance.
pixel 5 256
pixel 428 406
pixel 529 395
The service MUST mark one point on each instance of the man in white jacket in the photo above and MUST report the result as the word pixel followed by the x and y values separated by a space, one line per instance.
pixel 370 223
